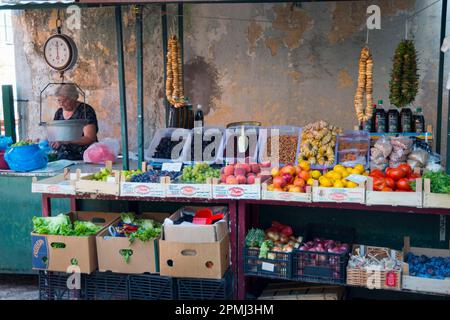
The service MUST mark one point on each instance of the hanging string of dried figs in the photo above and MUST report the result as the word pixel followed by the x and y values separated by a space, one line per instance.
pixel 404 83
pixel 174 81
pixel 365 86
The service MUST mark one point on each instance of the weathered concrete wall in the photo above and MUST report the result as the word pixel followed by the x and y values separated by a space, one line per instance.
pixel 272 63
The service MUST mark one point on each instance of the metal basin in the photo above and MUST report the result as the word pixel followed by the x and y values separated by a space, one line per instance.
pixel 65 130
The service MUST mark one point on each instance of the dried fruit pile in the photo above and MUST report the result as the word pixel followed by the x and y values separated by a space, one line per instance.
pixel 365 86
pixel 174 81
pixel 318 143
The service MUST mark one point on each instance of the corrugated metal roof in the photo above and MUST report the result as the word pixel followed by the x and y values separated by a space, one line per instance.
pixel 16 4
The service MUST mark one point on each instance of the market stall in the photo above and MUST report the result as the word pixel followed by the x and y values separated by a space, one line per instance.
pixel 308 204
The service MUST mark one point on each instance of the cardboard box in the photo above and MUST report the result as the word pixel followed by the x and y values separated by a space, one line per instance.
pixel 60 184
pixel 81 250
pixel 196 233
pixel 195 260
pixel 145 255
pixel 427 285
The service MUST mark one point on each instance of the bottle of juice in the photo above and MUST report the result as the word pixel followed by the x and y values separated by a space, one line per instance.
pixel 393 120
pixel 406 119
pixel 380 118
pixel 418 121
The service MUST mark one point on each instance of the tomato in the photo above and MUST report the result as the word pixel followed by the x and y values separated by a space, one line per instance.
pixel 379 183
pixel 390 183
pixel 376 173
pixel 387 171
pixel 387 189
pixel 406 169
pixel 403 184
pixel 396 174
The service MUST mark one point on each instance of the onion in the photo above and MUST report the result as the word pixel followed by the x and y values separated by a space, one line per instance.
pixel 273 236
pixel 303 248
pixel 284 239
pixel 310 244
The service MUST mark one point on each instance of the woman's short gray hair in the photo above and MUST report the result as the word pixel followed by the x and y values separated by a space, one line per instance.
pixel 67 90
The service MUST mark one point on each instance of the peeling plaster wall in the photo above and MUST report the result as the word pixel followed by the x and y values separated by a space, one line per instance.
pixel 271 63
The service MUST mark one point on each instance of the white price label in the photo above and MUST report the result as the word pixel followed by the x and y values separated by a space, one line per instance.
pixel 172 166
pixel 357 178
pixel 268 267
pixel 111 179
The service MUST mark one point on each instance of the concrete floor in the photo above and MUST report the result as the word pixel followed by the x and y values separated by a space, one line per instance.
pixel 14 287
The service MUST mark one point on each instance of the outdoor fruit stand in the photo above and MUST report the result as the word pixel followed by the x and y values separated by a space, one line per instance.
pixel 271 206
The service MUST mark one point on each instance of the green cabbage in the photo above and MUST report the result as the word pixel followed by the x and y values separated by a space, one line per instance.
pixel 58 225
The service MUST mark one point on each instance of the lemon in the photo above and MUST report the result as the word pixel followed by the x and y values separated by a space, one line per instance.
pixel 304 165
pixel 366 173
pixel 329 174
pixel 351 184
pixel 310 182
pixel 345 174
pixel 359 168
pixel 338 184
pixel 349 170
pixel 355 171
pixel 316 174
pixel 339 168
pixel 337 175
pixel 325 182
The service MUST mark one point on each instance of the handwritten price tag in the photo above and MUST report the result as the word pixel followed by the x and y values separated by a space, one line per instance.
pixel 172 166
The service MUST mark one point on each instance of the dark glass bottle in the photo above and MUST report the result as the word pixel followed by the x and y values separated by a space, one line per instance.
pixel 369 124
pixel 199 119
pixel 418 121
pixel 406 119
pixel 393 121
pixel 380 119
pixel 189 117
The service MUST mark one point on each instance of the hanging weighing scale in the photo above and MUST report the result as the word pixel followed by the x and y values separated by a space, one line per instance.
pixel 61 54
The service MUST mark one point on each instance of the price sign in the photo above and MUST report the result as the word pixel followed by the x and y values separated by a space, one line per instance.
pixel 172 166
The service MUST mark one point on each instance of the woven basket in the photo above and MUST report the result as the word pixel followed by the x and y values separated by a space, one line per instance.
pixel 384 279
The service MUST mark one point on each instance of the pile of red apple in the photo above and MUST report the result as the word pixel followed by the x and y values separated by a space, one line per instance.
pixel 244 173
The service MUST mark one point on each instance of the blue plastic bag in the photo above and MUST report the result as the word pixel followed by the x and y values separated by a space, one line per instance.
pixel 5 142
pixel 26 158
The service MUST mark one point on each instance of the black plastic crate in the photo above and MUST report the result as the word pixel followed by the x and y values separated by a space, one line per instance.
pixel 54 286
pixel 107 286
pixel 206 289
pixel 151 287
pixel 323 267
pixel 278 265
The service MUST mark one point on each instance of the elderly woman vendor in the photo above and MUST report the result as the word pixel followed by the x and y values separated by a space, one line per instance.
pixel 72 109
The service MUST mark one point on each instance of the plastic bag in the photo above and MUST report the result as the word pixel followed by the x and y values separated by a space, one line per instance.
pixel 26 158
pixel 100 152
pixel 384 145
pixel 419 155
pixel 5 142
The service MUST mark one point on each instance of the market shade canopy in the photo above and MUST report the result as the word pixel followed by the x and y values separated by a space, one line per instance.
pixel 16 4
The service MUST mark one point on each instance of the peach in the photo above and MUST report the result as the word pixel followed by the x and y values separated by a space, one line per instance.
pixel 288 169
pixel 251 179
pixel 256 168
pixel 239 172
pixel 275 172
pixel 223 178
pixel 241 179
pixel 231 180
pixel 228 170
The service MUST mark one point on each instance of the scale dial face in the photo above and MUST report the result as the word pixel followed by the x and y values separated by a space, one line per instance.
pixel 59 52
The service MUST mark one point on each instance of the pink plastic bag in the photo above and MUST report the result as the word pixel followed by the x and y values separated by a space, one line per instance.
pixel 100 152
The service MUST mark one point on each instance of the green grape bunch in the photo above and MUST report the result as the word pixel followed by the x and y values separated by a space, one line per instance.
pixel 199 173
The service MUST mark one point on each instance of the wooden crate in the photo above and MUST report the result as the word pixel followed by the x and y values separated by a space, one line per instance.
pixel 285 196
pixel 376 279
pixel 338 195
pixel 295 291
pixel 60 184
pixel 236 191
pixel 434 200
pixel 424 284
pixel 142 189
pixel 189 190
pixel 406 199
pixel 87 185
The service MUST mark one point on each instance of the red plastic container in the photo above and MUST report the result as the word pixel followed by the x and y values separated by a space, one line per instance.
pixel 3 164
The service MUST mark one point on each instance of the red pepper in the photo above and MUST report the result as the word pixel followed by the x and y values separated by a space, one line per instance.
pixel 287 231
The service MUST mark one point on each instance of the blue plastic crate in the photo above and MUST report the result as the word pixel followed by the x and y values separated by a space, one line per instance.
pixel 151 287
pixel 53 286
pixel 107 286
pixel 206 289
